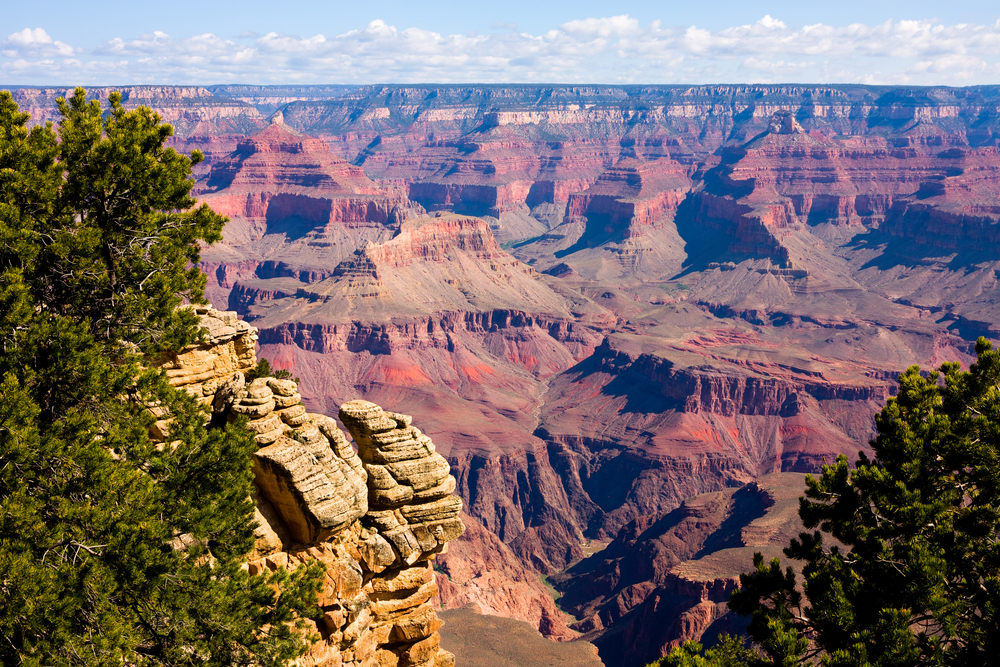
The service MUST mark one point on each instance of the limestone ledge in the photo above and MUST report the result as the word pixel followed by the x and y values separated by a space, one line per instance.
pixel 228 347
pixel 376 517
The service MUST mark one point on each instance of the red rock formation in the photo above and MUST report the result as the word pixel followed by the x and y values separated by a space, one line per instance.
pixel 502 173
pixel 666 577
pixel 622 225
pixel 293 205
pixel 673 426
pixel 786 180
pixel 479 569
pixel 958 211
pixel 432 265
pixel 631 195
pixel 280 157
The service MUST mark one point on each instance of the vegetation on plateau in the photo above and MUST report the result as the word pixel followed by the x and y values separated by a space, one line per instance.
pixel 113 550
pixel 264 369
pixel 905 566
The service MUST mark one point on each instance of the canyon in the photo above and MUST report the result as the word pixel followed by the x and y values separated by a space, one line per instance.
pixel 629 317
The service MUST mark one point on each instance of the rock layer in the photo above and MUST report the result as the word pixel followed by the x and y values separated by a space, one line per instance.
pixel 481 573
pixel 281 183
pixel 410 488
pixel 375 521
pixel 665 578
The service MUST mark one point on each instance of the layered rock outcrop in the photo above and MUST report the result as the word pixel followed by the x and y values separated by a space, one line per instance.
pixel 314 207
pixel 447 263
pixel 194 111
pixel 376 518
pixel 630 195
pixel 786 180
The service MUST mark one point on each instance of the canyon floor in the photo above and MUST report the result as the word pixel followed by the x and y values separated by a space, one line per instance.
pixel 478 640
pixel 630 317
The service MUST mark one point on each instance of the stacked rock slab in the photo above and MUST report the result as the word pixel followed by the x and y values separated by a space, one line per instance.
pixel 228 348
pixel 413 512
pixel 375 521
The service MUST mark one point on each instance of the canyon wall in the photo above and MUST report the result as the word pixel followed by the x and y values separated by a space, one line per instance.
pixel 665 578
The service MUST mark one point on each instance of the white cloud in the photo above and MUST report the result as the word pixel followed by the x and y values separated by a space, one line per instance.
pixel 902 39
pixel 603 49
pixel 956 66
pixel 160 43
pixel 33 44
pixel 614 26
pixel 768 22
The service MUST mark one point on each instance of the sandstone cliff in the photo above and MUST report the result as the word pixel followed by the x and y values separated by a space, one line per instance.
pixel 375 517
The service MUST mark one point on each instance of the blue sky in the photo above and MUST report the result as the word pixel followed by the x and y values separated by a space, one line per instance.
pixel 186 42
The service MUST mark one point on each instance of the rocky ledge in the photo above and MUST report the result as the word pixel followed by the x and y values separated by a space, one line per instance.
pixel 376 517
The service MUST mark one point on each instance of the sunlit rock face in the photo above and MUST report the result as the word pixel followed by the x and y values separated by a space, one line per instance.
pixel 295 209
pixel 376 518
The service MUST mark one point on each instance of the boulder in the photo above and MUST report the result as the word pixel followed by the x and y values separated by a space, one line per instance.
pixel 315 500
pixel 227 394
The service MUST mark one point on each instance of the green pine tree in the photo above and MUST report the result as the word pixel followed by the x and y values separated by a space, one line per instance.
pixel 113 550
pixel 730 652
pixel 905 566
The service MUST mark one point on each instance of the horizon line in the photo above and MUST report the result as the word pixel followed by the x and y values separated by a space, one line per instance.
pixel 206 86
